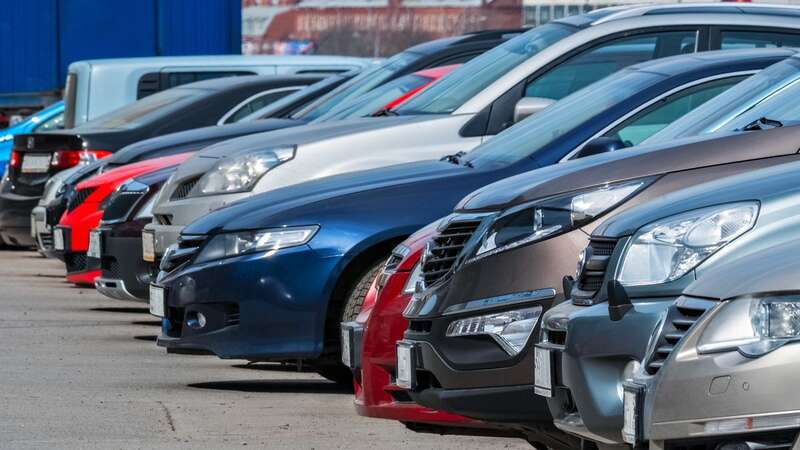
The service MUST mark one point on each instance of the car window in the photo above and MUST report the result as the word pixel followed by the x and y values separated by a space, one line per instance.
pixel 374 100
pixel 735 40
pixel 538 131
pixel 146 110
pixel 765 94
pixel 656 117
pixel 477 74
pixel 603 60
pixel 290 100
pixel 54 123
pixel 258 102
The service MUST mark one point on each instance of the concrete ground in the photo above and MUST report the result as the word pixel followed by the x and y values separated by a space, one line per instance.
pixel 79 371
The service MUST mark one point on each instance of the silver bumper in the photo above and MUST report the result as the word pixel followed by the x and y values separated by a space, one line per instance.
pixel 116 289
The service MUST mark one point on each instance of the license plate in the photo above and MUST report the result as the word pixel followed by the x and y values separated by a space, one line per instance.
pixel 352 336
pixel 148 246
pixel 156 300
pixel 631 403
pixel 58 239
pixel 95 248
pixel 405 365
pixel 33 226
pixel 543 372
pixel 35 163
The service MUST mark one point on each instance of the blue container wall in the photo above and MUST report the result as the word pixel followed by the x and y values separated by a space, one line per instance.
pixel 28 46
pixel 40 38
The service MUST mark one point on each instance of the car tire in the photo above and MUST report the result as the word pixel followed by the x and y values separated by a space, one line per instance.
pixel 355 299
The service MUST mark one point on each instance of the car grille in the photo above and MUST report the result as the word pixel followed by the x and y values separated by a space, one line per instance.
pixel 78 199
pixel 591 274
pixel 183 190
pixel 111 268
pixel 445 247
pixel 163 219
pixel 187 247
pixel 75 262
pixel 390 266
pixel 683 313
pixel 121 206
pixel 46 240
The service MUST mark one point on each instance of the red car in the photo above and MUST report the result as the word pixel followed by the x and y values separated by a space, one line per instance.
pixel 379 326
pixel 85 209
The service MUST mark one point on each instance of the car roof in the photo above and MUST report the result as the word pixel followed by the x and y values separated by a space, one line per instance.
pixel 437 45
pixel 677 65
pixel 618 13
pixel 232 60
pixel 223 83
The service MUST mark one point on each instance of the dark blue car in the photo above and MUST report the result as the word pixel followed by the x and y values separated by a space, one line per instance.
pixel 271 277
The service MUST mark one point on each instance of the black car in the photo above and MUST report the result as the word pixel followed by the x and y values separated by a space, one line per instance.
pixel 125 275
pixel 36 157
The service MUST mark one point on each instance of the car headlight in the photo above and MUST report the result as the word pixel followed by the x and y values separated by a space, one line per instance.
pixel 511 329
pixel 555 215
pixel 754 326
pixel 234 244
pixel 669 248
pixel 240 173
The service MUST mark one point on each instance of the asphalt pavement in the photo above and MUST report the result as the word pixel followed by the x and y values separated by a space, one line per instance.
pixel 80 371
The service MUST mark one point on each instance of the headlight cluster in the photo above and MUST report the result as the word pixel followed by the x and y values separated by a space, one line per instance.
pixel 240 173
pixel 753 325
pixel 666 250
pixel 234 244
pixel 554 215
pixel 511 329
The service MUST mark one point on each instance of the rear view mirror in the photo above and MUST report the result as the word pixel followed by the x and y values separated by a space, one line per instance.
pixel 600 145
pixel 528 106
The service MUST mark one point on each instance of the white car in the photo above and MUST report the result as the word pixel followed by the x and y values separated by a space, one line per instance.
pixel 466 107
pixel 95 87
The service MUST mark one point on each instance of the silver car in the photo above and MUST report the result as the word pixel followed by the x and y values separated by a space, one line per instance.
pixel 465 108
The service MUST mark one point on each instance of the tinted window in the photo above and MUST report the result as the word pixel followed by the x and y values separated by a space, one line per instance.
pixel 653 119
pixel 290 100
pixel 374 100
pixel 145 110
pixel 477 74
pixel 534 133
pixel 734 40
pixel 257 103
pixel 54 123
pixel 599 62
pixel 764 94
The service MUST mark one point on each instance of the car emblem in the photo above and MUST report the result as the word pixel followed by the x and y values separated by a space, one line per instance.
pixel 30 143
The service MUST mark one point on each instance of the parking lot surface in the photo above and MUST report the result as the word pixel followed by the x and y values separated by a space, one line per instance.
pixel 80 371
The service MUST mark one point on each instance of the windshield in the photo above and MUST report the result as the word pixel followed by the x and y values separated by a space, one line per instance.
pixel 146 110
pixel 544 127
pixel 353 89
pixel 284 102
pixel 477 74
pixel 771 93
pixel 374 100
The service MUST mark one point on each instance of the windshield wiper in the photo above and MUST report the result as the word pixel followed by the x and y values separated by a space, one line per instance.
pixel 762 124
pixel 385 112
pixel 456 159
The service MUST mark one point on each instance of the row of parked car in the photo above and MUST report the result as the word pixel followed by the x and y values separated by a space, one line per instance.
pixel 412 225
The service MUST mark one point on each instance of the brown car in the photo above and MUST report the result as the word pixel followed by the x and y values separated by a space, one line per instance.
pixel 499 261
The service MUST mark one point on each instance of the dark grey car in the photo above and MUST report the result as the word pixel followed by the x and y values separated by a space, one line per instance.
pixel 501 257
pixel 624 319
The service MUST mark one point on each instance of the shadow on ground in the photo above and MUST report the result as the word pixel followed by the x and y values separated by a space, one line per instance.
pixel 122 309
pixel 277 386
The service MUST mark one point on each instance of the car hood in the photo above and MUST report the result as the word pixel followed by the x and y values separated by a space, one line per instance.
pixel 635 162
pixel 304 135
pixel 773 182
pixel 131 170
pixel 196 139
pixel 771 270
pixel 268 209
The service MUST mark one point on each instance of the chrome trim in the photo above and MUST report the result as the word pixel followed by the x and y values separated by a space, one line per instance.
pixel 514 299
pixel 115 289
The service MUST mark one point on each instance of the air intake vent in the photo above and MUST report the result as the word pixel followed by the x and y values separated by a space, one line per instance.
pixel 183 190
pixel 443 249
pixel 122 205
pixel 78 199
pixel 593 270
pixel 680 318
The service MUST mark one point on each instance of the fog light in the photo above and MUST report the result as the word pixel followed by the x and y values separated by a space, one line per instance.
pixel 196 320
pixel 511 329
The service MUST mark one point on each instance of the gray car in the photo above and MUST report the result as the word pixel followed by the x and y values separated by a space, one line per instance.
pixel 623 319
pixel 465 108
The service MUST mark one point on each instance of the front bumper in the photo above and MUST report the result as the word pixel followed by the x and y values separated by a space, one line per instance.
pixel 125 275
pixel 15 219
pixel 258 306
pixel 44 218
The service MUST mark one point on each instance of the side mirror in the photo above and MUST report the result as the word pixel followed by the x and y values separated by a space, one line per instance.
pixel 528 106
pixel 600 145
